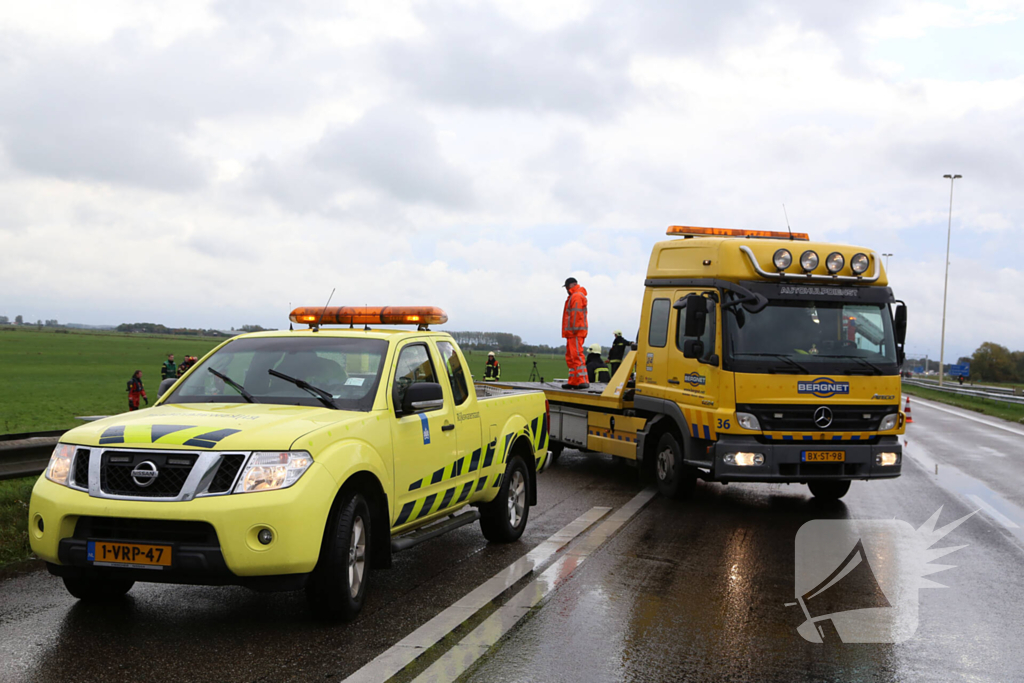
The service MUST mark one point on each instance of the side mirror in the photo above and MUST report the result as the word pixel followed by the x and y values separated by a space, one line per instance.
pixel 421 397
pixel 696 315
pixel 693 348
pixel 900 324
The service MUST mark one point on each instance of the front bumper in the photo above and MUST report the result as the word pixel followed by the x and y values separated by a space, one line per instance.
pixel 63 520
pixel 783 461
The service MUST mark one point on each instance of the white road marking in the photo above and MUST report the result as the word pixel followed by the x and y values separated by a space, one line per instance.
pixel 991 451
pixel 466 652
pixel 992 512
pixel 967 416
pixel 404 652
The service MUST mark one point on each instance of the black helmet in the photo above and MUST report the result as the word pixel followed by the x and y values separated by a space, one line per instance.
pixel 569 282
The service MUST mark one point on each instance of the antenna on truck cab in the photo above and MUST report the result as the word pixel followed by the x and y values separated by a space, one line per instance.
pixel 317 328
pixel 787 221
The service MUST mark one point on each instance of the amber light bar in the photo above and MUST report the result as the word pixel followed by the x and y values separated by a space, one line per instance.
pixel 368 315
pixel 734 232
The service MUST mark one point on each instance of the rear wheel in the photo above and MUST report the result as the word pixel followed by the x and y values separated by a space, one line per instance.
pixel 675 480
pixel 93 589
pixel 503 520
pixel 829 490
pixel 337 588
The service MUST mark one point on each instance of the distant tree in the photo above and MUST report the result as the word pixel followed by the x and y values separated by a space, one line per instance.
pixel 51 323
pixel 3 320
pixel 18 320
pixel 993 363
pixel 963 359
pixel 251 328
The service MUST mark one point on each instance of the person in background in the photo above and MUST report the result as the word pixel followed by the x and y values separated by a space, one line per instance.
pixel 574 331
pixel 617 352
pixel 168 369
pixel 597 371
pixel 186 365
pixel 135 391
pixel 492 371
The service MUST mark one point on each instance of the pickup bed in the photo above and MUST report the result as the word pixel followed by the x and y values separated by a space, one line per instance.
pixel 288 460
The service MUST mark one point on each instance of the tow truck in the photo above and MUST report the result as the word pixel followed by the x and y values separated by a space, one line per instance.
pixel 292 459
pixel 761 357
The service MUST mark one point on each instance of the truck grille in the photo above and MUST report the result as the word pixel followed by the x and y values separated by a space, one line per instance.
pixel 172 470
pixel 226 473
pixel 800 418
pixel 145 530
pixel 81 475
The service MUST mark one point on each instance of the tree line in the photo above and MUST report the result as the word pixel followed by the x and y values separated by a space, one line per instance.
pixel 995 363
pixel 500 341
pixel 156 328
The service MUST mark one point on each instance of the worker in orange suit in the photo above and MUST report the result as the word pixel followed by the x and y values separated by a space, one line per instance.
pixel 574 330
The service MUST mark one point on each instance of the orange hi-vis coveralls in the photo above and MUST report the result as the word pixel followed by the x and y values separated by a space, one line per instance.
pixel 574 330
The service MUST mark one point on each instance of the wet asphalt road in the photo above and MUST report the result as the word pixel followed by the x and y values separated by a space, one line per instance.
pixel 691 590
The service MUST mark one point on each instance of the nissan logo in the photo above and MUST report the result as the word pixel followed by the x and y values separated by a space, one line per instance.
pixel 145 473
pixel 822 417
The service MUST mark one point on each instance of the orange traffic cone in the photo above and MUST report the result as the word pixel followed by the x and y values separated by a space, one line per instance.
pixel 906 411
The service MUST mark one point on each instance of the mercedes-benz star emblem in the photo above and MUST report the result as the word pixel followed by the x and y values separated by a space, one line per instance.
pixel 822 417
pixel 145 473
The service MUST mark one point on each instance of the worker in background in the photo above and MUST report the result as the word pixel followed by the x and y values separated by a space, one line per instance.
pixel 492 371
pixel 186 365
pixel 617 352
pixel 135 391
pixel 168 369
pixel 597 371
pixel 574 331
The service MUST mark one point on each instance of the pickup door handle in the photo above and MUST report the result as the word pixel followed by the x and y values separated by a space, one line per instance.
pixel 447 428
pixel 673 381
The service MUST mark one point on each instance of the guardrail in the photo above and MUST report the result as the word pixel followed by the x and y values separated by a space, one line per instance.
pixel 25 455
pixel 974 392
pixel 956 385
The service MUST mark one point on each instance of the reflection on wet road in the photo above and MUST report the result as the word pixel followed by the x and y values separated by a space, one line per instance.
pixel 692 590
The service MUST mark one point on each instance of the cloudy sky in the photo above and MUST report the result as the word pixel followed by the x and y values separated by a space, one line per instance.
pixel 213 163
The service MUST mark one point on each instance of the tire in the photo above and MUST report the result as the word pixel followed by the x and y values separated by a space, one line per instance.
pixel 337 587
pixel 503 520
pixel 95 590
pixel 556 452
pixel 675 480
pixel 829 490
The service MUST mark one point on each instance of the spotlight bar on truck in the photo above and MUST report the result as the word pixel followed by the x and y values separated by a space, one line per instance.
pixel 368 315
pixel 690 231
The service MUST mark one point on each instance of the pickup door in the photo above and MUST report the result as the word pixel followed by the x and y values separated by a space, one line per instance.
pixel 468 425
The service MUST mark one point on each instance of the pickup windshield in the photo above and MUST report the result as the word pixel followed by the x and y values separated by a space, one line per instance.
pixel 346 370
pixel 810 337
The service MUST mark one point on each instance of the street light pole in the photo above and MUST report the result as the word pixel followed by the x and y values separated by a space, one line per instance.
pixel 886 261
pixel 945 286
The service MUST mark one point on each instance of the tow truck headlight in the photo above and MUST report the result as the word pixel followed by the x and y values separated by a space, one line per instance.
pixel 272 471
pixel 887 459
pixel 60 464
pixel 748 421
pixel 782 259
pixel 835 262
pixel 859 263
pixel 809 260
pixel 744 459
pixel 888 422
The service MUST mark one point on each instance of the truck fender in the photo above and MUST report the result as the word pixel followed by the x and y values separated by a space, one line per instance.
pixel 521 437
pixel 665 413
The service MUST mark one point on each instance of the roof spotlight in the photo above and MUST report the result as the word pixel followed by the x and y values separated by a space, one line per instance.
pixel 835 262
pixel 808 260
pixel 782 259
pixel 859 263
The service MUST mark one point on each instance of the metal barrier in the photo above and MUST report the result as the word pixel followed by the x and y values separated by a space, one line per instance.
pixel 26 455
pixel 1002 396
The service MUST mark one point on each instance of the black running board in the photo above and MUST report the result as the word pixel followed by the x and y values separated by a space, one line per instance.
pixel 433 531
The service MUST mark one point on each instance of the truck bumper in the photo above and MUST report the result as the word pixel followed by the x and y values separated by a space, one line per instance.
pixel 784 462
pixel 214 540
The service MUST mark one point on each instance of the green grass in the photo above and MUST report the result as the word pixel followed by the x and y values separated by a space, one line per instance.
pixel 14 495
pixel 1005 411
pixel 516 368
pixel 47 377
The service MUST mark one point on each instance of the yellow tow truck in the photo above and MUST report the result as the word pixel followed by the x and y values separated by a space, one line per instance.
pixel 761 357
pixel 292 459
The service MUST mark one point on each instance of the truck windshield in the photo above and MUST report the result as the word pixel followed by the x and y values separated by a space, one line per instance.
pixel 347 370
pixel 810 337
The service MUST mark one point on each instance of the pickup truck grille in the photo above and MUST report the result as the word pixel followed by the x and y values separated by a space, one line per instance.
pixel 116 469
pixel 790 417
pixel 145 530
pixel 81 475
pixel 226 473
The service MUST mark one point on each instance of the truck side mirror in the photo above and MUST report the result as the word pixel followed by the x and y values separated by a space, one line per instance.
pixel 696 316
pixel 422 396
pixel 693 348
pixel 900 324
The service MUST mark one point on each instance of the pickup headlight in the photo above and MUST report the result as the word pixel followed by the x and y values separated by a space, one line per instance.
pixel 748 421
pixel 59 468
pixel 272 471
pixel 888 422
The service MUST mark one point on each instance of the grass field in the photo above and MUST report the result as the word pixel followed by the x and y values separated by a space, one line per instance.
pixel 14 495
pixel 1006 411
pixel 515 368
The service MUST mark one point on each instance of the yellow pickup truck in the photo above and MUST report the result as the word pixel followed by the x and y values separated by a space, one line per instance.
pixel 292 459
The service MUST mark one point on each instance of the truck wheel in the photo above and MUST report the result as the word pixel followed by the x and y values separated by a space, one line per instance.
pixel 675 480
pixel 829 490
pixel 556 452
pixel 504 518
pixel 337 587
pixel 90 589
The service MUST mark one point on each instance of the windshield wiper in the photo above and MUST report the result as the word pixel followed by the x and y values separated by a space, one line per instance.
pixel 784 357
pixel 863 361
pixel 234 385
pixel 319 393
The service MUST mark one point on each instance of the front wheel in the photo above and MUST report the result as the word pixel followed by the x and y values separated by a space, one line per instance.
pixel 95 590
pixel 337 588
pixel 503 520
pixel 675 480
pixel 829 490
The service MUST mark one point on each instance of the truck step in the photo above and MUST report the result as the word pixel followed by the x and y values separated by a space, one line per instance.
pixel 434 530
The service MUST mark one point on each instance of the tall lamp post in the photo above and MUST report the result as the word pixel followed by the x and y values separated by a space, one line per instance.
pixel 886 261
pixel 945 286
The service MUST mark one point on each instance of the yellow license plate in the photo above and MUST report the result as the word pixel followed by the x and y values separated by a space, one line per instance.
pixel 109 554
pixel 824 456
